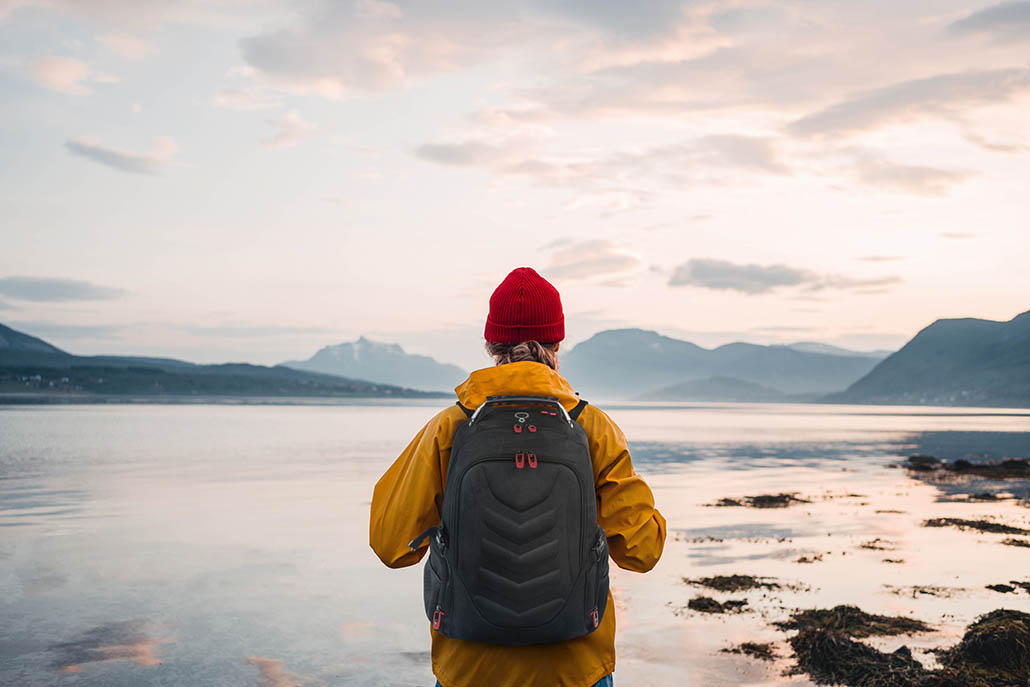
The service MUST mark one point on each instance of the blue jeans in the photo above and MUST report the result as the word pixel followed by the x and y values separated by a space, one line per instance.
pixel 606 681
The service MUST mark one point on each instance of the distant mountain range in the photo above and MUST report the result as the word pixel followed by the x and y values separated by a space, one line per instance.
pixel 384 363
pixel 719 389
pixel 953 362
pixel 816 347
pixel 636 363
pixel 30 364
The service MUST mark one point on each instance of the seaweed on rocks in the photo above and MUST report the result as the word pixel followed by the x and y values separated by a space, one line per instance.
pixel 733 583
pixel 993 652
pixel 763 501
pixel 831 658
pixel 706 604
pixel 1012 586
pixel 1012 541
pixel 878 544
pixel 978 525
pixel 814 558
pixel 851 621
pixel 924 590
pixel 763 652
pixel 923 463
pixel 1010 468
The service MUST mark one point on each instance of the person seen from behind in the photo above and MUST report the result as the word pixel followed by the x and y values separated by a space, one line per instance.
pixel 521 492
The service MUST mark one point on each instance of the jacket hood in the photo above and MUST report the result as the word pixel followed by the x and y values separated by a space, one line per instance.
pixel 521 378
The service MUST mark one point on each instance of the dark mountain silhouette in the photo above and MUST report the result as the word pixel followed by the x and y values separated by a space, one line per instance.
pixel 953 362
pixel 30 364
pixel 384 363
pixel 13 341
pixel 623 363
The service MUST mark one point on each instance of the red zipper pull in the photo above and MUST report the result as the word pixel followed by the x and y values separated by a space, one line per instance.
pixel 520 460
pixel 532 460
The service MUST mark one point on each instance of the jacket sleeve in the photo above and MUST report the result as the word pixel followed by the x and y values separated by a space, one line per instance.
pixel 625 504
pixel 407 498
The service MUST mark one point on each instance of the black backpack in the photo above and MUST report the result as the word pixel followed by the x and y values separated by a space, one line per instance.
pixel 519 557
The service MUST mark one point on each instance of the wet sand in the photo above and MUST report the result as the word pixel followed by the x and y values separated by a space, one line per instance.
pixel 873 535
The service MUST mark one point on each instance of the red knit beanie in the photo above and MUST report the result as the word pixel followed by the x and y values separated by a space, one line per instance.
pixel 525 307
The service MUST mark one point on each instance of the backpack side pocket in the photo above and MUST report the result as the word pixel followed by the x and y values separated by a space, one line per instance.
pixel 435 577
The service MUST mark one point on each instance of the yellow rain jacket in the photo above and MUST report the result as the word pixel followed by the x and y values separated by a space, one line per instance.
pixel 408 498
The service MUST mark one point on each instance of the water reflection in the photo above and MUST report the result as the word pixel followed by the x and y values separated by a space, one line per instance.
pixel 668 455
pixel 980 446
pixel 273 672
pixel 246 530
pixel 124 641
pixel 23 503
pixel 976 447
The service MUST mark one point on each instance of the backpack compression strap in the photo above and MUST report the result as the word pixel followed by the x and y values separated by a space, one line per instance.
pixel 574 413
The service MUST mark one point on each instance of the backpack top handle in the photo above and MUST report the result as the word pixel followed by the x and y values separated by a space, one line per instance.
pixel 500 400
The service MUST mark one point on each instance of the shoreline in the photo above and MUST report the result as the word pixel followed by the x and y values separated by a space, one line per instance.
pixel 36 398
pixel 45 399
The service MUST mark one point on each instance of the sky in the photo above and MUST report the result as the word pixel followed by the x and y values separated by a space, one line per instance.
pixel 250 180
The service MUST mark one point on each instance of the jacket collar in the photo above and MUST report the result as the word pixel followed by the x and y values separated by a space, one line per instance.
pixel 521 378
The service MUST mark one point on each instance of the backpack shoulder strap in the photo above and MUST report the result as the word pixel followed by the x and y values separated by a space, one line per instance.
pixel 468 411
pixel 574 413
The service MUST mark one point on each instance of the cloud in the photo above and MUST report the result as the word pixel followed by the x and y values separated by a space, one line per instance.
pixel 936 96
pixel 589 259
pixel 158 158
pixel 376 9
pixel 614 181
pixel 719 274
pixel 65 74
pixel 611 201
pixel 759 279
pixel 291 129
pixel 1006 21
pixel 694 161
pixel 461 154
pixel 127 46
pixel 339 48
pixel 882 258
pixel 841 283
pixel 50 290
pixel 135 15
pixel 957 235
pixel 874 170
pixel 753 153
pixel 245 99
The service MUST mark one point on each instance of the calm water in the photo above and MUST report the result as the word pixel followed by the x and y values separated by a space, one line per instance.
pixel 227 545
